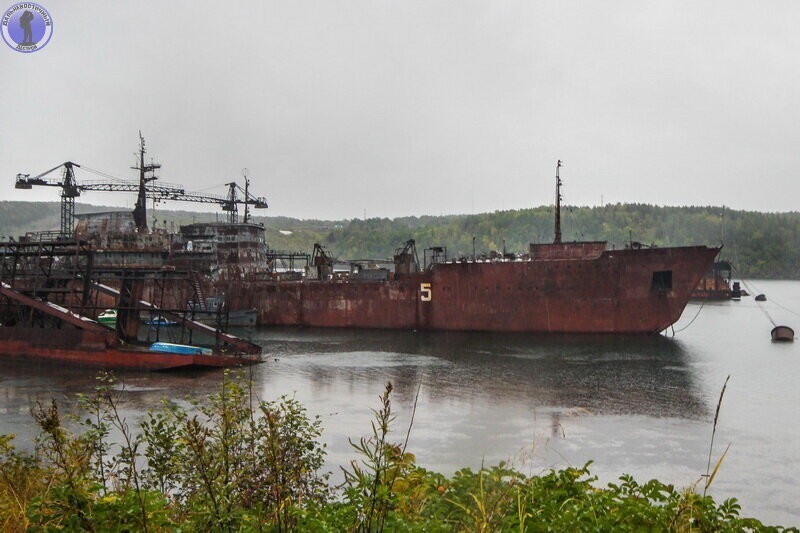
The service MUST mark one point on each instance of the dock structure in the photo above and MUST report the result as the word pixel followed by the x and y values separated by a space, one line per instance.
pixel 50 292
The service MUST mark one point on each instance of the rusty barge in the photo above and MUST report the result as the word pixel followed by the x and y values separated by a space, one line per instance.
pixel 718 284
pixel 49 292
pixel 561 287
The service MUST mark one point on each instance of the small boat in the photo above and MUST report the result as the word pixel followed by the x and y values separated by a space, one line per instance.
pixel 160 321
pixel 761 298
pixel 168 347
pixel 108 318
pixel 782 334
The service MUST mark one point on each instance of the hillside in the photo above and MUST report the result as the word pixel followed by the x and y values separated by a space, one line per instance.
pixel 761 245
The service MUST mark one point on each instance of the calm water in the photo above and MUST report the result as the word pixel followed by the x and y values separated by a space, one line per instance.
pixel 638 405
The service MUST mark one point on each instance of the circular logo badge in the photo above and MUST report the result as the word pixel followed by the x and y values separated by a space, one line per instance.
pixel 26 27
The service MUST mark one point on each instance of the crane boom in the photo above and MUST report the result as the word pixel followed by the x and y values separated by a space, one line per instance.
pixel 145 188
pixel 232 201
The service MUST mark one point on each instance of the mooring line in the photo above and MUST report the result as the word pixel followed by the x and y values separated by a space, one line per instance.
pixel 750 289
pixel 702 304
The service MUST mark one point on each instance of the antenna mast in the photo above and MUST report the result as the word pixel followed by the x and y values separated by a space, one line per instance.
pixel 246 196
pixel 140 210
pixel 557 239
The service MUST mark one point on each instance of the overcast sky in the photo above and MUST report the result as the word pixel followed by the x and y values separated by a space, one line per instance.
pixel 417 107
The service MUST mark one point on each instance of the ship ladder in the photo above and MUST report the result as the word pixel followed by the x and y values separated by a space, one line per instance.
pixel 200 297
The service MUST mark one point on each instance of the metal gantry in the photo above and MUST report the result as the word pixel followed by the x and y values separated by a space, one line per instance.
pixel 146 187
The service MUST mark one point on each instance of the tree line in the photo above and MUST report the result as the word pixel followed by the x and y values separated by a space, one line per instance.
pixel 760 245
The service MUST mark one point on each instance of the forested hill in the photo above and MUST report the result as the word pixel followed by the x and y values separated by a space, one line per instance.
pixel 761 245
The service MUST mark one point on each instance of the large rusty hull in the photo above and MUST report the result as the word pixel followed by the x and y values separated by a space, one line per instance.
pixel 617 291
pixel 88 349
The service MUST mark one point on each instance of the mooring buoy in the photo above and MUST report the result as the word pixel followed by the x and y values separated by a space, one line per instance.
pixel 782 334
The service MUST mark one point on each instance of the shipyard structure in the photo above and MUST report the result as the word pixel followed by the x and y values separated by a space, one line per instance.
pixel 559 287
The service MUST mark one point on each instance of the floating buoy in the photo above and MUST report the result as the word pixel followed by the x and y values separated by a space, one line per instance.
pixel 782 334
pixel 761 298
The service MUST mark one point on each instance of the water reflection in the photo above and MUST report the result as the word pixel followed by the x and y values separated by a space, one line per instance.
pixel 645 375
pixel 24 384
pixel 558 375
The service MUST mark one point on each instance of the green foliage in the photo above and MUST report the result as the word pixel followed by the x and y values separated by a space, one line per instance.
pixel 285 455
pixel 234 463
pixel 237 464
pixel 369 482
pixel 760 245
pixel 70 494
pixel 21 480
pixel 502 499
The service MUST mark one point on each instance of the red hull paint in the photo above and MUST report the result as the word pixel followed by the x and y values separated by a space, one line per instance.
pixel 605 292
pixel 78 348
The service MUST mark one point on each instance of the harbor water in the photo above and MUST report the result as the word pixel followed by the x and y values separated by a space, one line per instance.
pixel 639 405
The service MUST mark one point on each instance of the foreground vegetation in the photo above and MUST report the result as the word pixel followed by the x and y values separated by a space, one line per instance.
pixel 760 245
pixel 237 464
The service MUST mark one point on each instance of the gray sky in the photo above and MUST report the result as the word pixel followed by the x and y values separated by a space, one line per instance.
pixel 417 107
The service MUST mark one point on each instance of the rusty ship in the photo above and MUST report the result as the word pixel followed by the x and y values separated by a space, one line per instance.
pixel 559 287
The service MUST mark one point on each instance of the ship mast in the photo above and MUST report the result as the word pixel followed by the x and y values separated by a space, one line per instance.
pixel 140 210
pixel 557 239
pixel 246 196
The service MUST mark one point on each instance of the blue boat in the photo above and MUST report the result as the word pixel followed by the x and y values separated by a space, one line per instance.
pixel 168 347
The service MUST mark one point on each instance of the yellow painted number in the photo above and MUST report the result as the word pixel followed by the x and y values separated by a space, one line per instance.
pixel 425 293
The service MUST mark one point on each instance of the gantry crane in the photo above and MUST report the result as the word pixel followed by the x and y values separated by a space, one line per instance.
pixel 145 188
pixel 232 201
